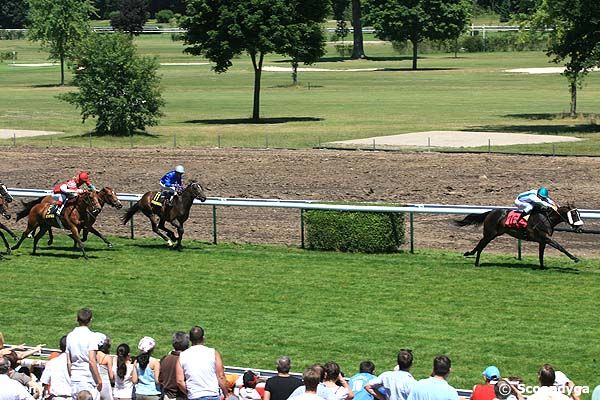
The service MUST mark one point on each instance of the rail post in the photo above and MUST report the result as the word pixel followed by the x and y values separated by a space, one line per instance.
pixel 302 228
pixel 412 232
pixel 131 231
pixel 519 247
pixel 214 217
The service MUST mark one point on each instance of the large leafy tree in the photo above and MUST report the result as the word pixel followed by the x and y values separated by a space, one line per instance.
pixel 13 13
pixel 132 16
pixel 339 8
pixel 574 38
pixel 59 25
pixel 223 29
pixel 116 85
pixel 415 20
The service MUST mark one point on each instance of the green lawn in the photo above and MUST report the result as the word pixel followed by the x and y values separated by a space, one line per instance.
pixel 469 92
pixel 259 302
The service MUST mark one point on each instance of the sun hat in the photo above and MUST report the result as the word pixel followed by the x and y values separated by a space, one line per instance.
pixel 491 373
pixel 146 344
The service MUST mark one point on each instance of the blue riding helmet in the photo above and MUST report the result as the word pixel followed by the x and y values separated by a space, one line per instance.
pixel 543 192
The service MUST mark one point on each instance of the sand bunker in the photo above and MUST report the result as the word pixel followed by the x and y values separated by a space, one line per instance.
pixel 35 65
pixel 10 133
pixel 545 70
pixel 455 139
pixel 183 63
pixel 289 69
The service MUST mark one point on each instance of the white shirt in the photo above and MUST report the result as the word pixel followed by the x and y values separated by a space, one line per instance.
pixel 322 391
pixel 308 396
pixel 199 368
pixel 12 390
pixel 123 387
pixel 79 344
pixel 57 376
pixel 548 393
pixel 397 384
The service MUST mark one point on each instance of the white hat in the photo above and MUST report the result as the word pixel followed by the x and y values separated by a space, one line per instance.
pixel 146 344
pixel 100 338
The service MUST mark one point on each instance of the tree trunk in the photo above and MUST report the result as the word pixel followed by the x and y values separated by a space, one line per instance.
pixel 573 98
pixel 62 69
pixel 415 44
pixel 257 75
pixel 295 72
pixel 358 51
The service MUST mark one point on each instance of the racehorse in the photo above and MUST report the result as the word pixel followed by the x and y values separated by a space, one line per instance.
pixel 4 193
pixel 75 213
pixel 540 228
pixel 105 196
pixel 175 214
pixel 6 215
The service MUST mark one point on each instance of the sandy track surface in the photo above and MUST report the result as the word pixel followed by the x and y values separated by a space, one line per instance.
pixel 478 179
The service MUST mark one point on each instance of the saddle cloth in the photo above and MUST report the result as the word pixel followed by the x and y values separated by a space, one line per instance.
pixel 157 199
pixel 51 213
pixel 511 220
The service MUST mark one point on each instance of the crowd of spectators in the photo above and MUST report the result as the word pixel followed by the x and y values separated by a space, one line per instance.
pixel 85 370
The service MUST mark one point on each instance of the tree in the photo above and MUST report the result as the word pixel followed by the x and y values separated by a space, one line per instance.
pixel 59 25
pixel 13 14
pixel 339 8
pixel 221 30
pixel 132 16
pixel 574 38
pixel 116 86
pixel 415 20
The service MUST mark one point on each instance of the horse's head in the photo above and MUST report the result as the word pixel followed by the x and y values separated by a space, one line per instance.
pixel 4 193
pixel 3 211
pixel 91 202
pixel 197 190
pixel 570 215
pixel 109 196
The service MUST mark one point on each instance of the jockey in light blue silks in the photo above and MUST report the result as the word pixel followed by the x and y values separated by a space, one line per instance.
pixel 171 183
pixel 527 200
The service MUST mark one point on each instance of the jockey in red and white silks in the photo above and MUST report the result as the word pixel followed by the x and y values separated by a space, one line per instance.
pixel 71 188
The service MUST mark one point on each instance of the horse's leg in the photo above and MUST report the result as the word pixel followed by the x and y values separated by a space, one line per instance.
pixel 558 247
pixel 31 225
pixel 479 248
pixel 179 227
pixel 37 237
pixel 7 229
pixel 75 232
pixel 95 232
pixel 154 222
pixel 50 237
pixel 170 233
pixel 5 242
pixel 542 248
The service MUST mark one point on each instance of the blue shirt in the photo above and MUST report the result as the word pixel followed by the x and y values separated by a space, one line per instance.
pixel 433 389
pixel 171 178
pixel 146 382
pixel 357 384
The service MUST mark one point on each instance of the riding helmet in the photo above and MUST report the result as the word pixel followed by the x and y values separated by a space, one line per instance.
pixel 543 192
pixel 179 169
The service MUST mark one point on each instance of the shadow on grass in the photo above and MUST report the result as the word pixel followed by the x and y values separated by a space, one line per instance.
pixel 295 86
pixel 161 245
pixel 49 85
pixel 95 134
pixel 74 256
pixel 551 116
pixel 531 266
pixel 538 129
pixel 241 121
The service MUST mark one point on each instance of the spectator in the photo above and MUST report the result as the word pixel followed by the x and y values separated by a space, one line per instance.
pixel 491 375
pixel 281 386
pixel 322 390
pixel 335 381
pixel 357 382
pixel 505 390
pixel 125 374
pixel 395 385
pixel 200 371
pixel 248 389
pixel 55 378
pixel 435 387
pixel 20 354
pixel 84 395
pixel 148 371
pixel 565 385
pixel 82 348
pixel 168 367
pixel 11 389
pixel 105 365
pixel 596 393
pixel 312 380
pixel 547 390
pixel 22 378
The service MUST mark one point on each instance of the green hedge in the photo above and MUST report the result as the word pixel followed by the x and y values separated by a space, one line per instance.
pixel 365 232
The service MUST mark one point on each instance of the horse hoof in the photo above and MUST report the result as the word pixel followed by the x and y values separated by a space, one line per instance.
pixel 169 243
pixel 466 254
pixel 109 245
pixel 577 260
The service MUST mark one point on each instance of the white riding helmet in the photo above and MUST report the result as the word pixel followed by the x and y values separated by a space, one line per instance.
pixel 179 169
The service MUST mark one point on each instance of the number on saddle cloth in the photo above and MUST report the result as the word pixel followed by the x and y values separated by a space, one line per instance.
pixel 512 220
pixel 157 200
pixel 52 211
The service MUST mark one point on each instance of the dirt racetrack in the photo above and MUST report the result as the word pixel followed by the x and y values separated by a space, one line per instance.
pixel 478 179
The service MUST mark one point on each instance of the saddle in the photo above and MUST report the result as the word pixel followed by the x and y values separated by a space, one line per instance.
pixel 511 220
pixel 52 213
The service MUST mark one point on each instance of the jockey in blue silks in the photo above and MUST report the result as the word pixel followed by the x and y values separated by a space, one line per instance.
pixel 536 197
pixel 171 183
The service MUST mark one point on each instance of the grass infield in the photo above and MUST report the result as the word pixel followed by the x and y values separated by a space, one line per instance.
pixel 259 302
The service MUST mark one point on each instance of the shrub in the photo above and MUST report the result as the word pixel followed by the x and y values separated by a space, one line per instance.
pixel 11 35
pixel 366 232
pixel 164 16
pixel 114 15
pixel 472 44
pixel 344 50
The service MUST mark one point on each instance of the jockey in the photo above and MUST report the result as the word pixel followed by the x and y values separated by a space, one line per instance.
pixel 171 183
pixel 71 188
pixel 527 200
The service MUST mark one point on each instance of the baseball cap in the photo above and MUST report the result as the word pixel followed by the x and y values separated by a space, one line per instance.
pixel 100 338
pixel 491 373
pixel 146 344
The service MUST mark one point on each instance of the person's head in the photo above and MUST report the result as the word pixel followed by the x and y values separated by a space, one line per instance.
pixel 104 344
pixel 196 335
pixel 311 378
pixel 491 373
pixel 62 344
pixel 284 364
pixel 180 170
pixel 181 341
pixel 543 193
pixel 123 351
pixel 146 346
pixel 405 359
pixel 84 395
pixel 332 371
pixel 502 389
pixel 4 365
pixel 84 316
pixel 441 366
pixel 250 379
pixel 546 375
pixel 82 177
pixel 319 368
pixel 13 359
pixel 366 367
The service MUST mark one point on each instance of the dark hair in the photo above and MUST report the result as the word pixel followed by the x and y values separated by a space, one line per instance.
pixel 4 365
pixel 143 359
pixel 311 378
pixel 62 344
pixel 319 368
pixel 122 353
pixel 181 341
pixel 502 389
pixel 196 335
pixel 547 375
pixel 366 367
pixel 84 316
pixel 105 346
pixel 12 358
pixel 405 359
pixel 284 364
pixel 332 371
pixel 441 365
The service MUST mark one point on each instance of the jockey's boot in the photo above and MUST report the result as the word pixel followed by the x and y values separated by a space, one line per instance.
pixel 169 199
pixel 522 216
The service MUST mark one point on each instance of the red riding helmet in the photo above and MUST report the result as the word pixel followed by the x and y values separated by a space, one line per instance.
pixel 83 177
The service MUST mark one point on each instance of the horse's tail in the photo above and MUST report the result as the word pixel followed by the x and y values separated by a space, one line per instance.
pixel 472 219
pixel 27 206
pixel 130 212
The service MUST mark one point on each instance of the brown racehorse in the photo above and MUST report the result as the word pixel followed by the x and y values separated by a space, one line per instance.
pixel 176 214
pixel 6 215
pixel 105 196
pixel 74 216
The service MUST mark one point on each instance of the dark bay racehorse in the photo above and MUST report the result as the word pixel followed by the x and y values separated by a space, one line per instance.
pixel 6 215
pixel 176 214
pixel 4 193
pixel 75 212
pixel 539 229
pixel 105 196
